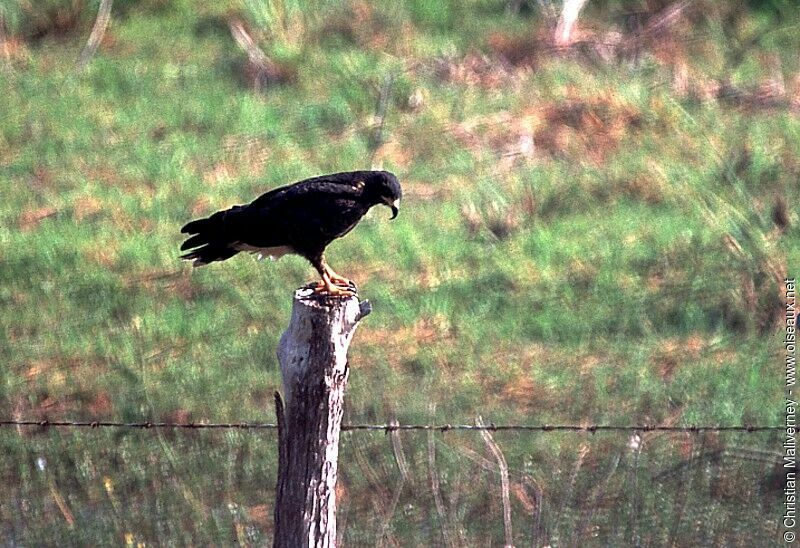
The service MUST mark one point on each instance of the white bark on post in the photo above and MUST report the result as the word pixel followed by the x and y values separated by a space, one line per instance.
pixel 566 22
pixel 98 31
pixel 313 358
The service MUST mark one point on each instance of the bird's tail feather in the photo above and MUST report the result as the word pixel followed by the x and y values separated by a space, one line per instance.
pixel 200 225
pixel 195 241
pixel 208 236
pixel 213 223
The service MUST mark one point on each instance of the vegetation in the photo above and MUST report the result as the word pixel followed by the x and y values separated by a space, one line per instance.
pixel 593 234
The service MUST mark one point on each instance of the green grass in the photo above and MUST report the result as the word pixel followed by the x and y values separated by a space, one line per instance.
pixel 593 284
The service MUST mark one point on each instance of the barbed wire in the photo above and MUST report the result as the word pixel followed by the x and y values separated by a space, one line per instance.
pixel 589 428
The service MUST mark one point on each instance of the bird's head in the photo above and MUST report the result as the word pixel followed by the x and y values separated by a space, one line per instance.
pixel 382 187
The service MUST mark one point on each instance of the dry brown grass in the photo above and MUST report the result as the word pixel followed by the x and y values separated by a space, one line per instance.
pixel 675 353
pixel 128 223
pixel 433 330
pixel 103 254
pixel 29 219
pixel 519 50
pixel 56 388
pixel 261 514
pixel 57 20
pixel 394 153
pixel 590 128
pixel 644 188
pixel 86 207
pixel 524 393
pixel 475 69
pixel 364 25
pixel 13 48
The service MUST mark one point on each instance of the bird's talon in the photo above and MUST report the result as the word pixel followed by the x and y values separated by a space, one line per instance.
pixel 335 293
pixel 332 290
pixel 341 281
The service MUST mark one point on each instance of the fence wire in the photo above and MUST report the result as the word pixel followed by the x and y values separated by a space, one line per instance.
pixel 589 428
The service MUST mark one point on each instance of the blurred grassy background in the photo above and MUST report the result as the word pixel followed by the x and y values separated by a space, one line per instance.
pixel 591 234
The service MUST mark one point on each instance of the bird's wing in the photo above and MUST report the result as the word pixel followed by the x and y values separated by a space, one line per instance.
pixel 344 185
pixel 315 210
pixel 310 204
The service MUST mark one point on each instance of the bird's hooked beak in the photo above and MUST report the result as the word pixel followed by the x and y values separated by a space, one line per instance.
pixel 395 205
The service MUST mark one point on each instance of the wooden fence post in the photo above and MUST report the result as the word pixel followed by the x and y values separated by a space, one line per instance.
pixel 313 357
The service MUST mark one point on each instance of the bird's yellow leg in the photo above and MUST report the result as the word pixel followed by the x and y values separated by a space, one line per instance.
pixel 334 277
pixel 327 287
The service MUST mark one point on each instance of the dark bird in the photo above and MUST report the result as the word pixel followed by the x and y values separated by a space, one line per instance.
pixel 302 218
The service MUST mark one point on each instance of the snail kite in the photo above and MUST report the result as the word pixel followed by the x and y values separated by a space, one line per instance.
pixel 302 218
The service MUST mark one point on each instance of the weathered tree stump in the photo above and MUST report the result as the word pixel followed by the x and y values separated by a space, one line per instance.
pixel 313 357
